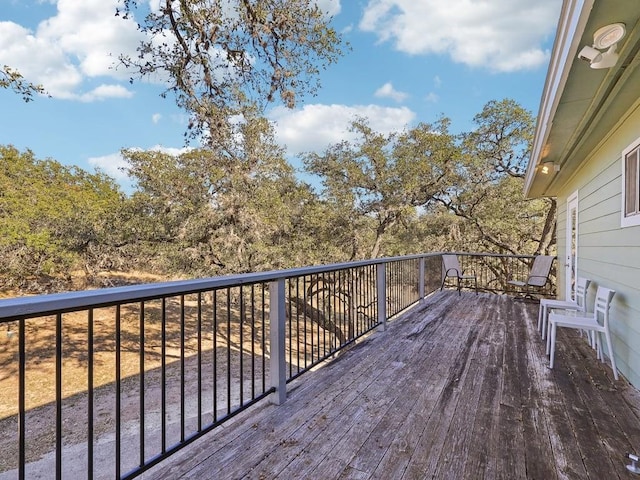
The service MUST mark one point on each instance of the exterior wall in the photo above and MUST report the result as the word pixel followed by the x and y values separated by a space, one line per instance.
pixel 608 254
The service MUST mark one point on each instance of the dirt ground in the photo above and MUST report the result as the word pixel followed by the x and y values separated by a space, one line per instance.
pixel 40 376
pixel 228 364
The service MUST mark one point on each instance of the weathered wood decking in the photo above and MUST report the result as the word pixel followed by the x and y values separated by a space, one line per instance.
pixel 458 388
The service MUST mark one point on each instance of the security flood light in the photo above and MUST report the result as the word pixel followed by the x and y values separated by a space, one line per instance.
pixel 608 35
pixel 605 37
pixel 607 60
pixel 589 54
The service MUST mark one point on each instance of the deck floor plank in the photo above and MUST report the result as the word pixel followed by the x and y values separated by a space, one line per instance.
pixel 484 440
pixel 432 378
pixel 510 454
pixel 457 443
pixel 458 387
pixel 314 408
pixel 602 420
pixel 398 433
pixel 439 409
pixel 319 448
pixel 535 388
pixel 409 351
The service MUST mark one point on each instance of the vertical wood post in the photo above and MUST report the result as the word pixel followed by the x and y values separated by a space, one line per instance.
pixel 381 291
pixel 421 278
pixel 277 320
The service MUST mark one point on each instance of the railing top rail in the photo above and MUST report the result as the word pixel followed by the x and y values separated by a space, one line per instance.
pixel 495 255
pixel 41 305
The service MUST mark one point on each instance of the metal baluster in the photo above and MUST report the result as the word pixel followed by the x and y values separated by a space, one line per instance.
pixel 141 380
pixel 90 398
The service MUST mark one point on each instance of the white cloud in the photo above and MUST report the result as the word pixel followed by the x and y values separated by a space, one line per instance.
pixel 154 5
pixel 91 35
pixel 315 127
pixel 348 29
pixel 432 97
pixel 112 165
pixel 156 117
pixel 437 82
pixel 387 91
pixel 175 151
pixel 499 35
pixel 330 7
pixel 82 41
pixel 105 91
pixel 115 164
pixel 171 150
pixel 36 59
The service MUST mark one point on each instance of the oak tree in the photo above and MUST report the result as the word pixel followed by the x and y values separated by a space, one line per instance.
pixel 12 79
pixel 54 219
pixel 220 56
pixel 377 181
pixel 488 185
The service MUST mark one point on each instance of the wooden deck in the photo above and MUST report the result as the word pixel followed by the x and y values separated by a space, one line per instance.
pixel 457 388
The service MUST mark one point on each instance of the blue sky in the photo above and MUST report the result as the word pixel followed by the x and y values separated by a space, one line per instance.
pixel 411 61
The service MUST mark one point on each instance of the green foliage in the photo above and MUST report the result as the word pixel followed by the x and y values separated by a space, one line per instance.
pixel 426 189
pixel 223 56
pixel 237 209
pixel 51 216
pixel 238 206
pixel 488 184
pixel 377 182
pixel 502 139
pixel 12 79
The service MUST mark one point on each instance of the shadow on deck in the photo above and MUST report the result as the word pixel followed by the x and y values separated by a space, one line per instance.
pixel 459 387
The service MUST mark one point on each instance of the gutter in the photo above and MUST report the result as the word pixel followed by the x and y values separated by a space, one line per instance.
pixel 573 20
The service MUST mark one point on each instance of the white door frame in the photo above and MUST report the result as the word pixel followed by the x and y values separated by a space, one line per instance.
pixel 571 247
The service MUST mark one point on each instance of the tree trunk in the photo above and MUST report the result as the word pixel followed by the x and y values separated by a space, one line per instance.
pixel 318 317
pixel 548 237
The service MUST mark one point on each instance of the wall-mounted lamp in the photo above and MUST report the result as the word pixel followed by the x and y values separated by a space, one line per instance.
pixel 548 167
pixel 605 37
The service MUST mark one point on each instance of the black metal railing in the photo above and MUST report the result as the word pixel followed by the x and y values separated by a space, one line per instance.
pixel 156 372
pixel 326 312
pixel 115 380
pixel 494 271
pixel 110 382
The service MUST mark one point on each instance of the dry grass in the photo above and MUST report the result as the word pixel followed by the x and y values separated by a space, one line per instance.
pixel 235 342
pixel 181 341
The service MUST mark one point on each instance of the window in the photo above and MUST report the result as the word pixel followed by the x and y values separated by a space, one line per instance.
pixel 631 185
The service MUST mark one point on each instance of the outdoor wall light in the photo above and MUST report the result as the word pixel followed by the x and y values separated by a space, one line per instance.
pixel 550 167
pixel 605 37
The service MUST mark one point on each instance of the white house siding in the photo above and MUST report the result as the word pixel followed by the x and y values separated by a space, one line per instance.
pixel 607 253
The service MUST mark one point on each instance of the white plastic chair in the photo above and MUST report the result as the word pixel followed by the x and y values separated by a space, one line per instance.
pixel 451 268
pixel 590 322
pixel 547 304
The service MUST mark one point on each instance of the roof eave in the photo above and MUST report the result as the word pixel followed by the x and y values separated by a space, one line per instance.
pixel 573 19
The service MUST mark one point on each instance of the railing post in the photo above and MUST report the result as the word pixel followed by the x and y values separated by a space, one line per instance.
pixel 353 310
pixel 421 278
pixel 381 291
pixel 277 320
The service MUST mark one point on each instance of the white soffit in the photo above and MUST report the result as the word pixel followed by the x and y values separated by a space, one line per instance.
pixel 574 17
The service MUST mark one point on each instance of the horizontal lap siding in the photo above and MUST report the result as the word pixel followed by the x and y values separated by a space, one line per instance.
pixel 607 253
pixel 561 227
